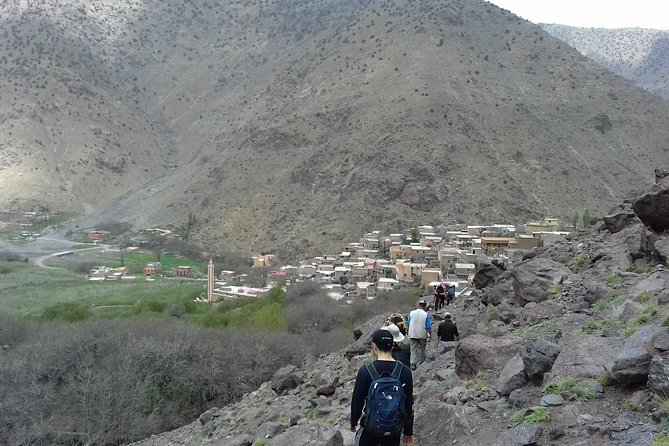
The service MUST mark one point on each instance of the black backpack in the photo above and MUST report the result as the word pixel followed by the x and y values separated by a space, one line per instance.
pixel 385 410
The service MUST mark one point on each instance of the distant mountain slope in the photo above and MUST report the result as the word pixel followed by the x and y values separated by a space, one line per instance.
pixel 293 125
pixel 641 55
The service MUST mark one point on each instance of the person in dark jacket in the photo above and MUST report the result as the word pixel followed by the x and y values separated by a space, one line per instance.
pixel 382 344
pixel 447 332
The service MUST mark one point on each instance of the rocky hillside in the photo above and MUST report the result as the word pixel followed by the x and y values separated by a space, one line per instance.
pixel 259 115
pixel 569 346
pixel 640 55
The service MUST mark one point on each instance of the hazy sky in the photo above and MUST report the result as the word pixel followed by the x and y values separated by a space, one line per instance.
pixel 592 13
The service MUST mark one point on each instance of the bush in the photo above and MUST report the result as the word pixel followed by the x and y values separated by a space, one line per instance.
pixel 113 382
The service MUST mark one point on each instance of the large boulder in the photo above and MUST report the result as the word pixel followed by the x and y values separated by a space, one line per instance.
pixel 363 337
pixel 539 359
pixel 662 249
pixel 583 357
pixel 478 352
pixel 653 284
pixel 494 295
pixel 532 279
pixel 512 376
pixel 487 273
pixel 618 221
pixel 652 208
pixel 436 421
pixel 658 374
pixel 632 363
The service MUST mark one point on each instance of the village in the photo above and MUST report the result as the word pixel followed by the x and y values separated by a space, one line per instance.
pixel 422 258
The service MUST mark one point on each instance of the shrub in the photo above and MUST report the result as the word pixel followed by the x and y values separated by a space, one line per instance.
pixel 114 382
pixel 532 415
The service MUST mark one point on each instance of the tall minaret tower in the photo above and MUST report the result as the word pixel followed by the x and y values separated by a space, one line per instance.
pixel 210 281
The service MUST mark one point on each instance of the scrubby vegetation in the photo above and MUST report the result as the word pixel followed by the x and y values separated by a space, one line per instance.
pixel 114 369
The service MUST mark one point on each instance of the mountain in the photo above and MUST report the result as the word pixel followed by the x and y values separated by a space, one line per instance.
pixel 640 55
pixel 293 125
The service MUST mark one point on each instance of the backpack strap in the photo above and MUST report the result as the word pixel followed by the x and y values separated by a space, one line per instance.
pixel 372 371
pixel 397 371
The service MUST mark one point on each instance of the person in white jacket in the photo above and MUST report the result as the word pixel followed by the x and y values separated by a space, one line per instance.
pixel 419 332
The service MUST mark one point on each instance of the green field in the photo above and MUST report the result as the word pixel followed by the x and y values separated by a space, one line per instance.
pixel 33 293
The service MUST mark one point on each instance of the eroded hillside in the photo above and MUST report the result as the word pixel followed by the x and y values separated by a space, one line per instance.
pixel 292 125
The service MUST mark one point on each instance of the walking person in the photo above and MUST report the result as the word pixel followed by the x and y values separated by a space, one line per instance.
pixel 383 397
pixel 450 295
pixel 419 332
pixel 446 332
pixel 400 350
pixel 439 296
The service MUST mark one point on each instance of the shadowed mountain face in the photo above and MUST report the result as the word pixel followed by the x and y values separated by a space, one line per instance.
pixel 296 124
pixel 640 55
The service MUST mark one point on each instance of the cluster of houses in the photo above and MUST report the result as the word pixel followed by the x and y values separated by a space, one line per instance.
pixel 425 257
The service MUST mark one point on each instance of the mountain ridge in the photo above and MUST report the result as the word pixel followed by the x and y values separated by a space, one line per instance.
pixel 258 116
pixel 638 54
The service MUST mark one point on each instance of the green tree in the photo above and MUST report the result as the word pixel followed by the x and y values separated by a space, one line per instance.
pixel 190 224
pixel 586 218
pixel 415 235
pixel 575 219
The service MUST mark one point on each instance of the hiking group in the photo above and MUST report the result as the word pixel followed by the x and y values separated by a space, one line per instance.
pixel 383 394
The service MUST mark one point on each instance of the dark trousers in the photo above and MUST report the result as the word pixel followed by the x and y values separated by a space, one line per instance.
pixel 362 438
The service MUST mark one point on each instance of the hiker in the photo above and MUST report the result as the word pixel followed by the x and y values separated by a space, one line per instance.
pixel 451 294
pixel 439 296
pixel 400 351
pixel 384 389
pixel 447 332
pixel 419 332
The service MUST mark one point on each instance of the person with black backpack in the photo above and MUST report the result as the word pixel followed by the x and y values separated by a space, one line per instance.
pixel 384 391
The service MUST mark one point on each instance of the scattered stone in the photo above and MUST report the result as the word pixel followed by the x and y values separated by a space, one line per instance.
pixel 523 435
pixel 552 400
pixel 662 249
pixel 656 283
pixel 326 389
pixel 524 397
pixel 658 374
pixel 336 440
pixel 628 310
pixel 663 298
pixel 618 221
pixel 660 340
pixel 555 433
pixel 632 363
pixel 540 358
pixel 512 376
pixel 207 416
pixel 641 435
pixel 286 378
pixel 237 440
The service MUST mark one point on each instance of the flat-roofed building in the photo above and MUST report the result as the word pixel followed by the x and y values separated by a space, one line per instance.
pixel 494 245
pixel 525 242
pixel 463 270
pixel 430 275
pixel 550 224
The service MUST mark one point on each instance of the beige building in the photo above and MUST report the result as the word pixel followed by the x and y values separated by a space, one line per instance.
pixel 548 225
pixel 493 245
pixel 429 276
pixel 525 242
